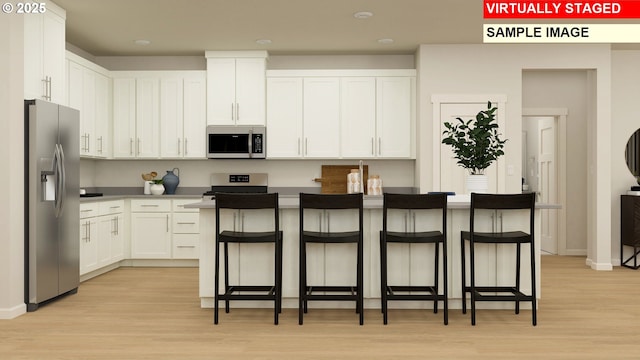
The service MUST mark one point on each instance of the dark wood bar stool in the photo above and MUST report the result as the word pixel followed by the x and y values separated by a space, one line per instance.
pixel 330 203
pixel 499 202
pixel 438 203
pixel 273 292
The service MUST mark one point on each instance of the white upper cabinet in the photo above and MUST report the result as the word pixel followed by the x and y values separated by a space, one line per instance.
pixel 333 114
pixel 236 88
pixel 44 55
pixel 89 91
pixel 159 114
pixel 284 117
pixel 183 116
pixel 321 117
pixel 395 114
pixel 358 113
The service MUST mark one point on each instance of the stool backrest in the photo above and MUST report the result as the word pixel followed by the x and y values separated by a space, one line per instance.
pixel 503 201
pixel 331 201
pixel 415 201
pixel 246 201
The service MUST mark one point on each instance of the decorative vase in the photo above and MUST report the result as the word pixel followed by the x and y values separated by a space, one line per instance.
pixel 477 184
pixel 171 181
pixel 157 189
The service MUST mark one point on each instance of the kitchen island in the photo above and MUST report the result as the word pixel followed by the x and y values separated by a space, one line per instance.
pixel 336 264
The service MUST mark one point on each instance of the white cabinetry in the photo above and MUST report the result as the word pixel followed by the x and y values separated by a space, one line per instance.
pixel 150 229
pixel 303 117
pixel 186 230
pixel 236 87
pixel 101 234
pixel 44 54
pixel 183 116
pixel 88 237
pixel 90 92
pixel 158 114
pixel 341 114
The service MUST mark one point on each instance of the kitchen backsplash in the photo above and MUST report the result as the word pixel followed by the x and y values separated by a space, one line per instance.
pixel 195 173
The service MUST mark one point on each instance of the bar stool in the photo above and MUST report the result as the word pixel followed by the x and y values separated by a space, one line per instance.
pixel 436 202
pixel 329 203
pixel 247 202
pixel 499 202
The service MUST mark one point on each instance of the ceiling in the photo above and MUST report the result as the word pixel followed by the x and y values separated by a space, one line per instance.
pixel 189 27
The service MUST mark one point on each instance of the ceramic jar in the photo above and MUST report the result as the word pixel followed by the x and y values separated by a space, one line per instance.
pixel 171 181
pixel 374 185
pixel 353 182
pixel 157 189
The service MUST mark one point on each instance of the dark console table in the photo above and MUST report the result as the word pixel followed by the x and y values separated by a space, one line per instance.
pixel 630 229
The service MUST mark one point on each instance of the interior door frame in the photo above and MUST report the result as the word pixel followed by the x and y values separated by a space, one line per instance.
pixel 438 100
pixel 560 114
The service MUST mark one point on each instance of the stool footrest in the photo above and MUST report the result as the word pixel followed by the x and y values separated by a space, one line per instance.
pixel 351 290
pixel 426 293
pixel 230 294
pixel 514 294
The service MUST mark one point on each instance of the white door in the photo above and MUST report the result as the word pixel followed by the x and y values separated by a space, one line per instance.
pixel 148 117
pixel 547 184
pixel 221 75
pixel 284 117
pixel 358 117
pixel 321 114
pixel 124 117
pixel 250 91
pixel 195 117
pixel 394 112
pixel 452 175
pixel 171 134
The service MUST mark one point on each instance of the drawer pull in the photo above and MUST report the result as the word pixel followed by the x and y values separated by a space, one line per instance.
pixel 186 223
pixel 114 207
pixel 185 246
pixel 90 210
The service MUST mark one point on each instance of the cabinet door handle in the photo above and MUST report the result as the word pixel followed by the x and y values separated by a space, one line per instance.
pixel 237 112
pixel 167 222
pixel 88 143
pixel 44 88
pixel 186 246
pixel 372 147
pixel 178 146
pixel 299 146
pixel 233 117
pixel 131 146
pixel 100 138
pixel 139 141
pixel 49 92
pixel 185 147
pixel 379 146
pixel 306 146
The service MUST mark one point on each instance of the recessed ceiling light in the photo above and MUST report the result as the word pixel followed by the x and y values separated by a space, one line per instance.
pixel 263 41
pixel 142 42
pixel 363 15
pixel 385 41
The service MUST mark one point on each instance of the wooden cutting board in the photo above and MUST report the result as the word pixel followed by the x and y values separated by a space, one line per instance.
pixel 334 178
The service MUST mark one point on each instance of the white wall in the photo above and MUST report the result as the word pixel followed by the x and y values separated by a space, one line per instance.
pixel 625 121
pixel 566 89
pixel 497 69
pixel 11 161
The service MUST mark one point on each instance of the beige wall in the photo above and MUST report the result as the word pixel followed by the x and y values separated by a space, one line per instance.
pixel 11 161
pixel 566 89
pixel 497 69
pixel 625 121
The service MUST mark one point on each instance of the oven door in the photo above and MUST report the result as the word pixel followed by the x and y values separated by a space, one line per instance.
pixel 235 142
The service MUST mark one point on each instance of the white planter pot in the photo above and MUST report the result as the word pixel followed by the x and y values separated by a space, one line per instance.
pixel 477 184
pixel 157 189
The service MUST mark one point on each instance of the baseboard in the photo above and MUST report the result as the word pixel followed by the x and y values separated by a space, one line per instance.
pixel 599 266
pixel 14 312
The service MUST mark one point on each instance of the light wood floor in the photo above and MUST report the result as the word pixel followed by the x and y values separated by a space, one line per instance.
pixel 154 313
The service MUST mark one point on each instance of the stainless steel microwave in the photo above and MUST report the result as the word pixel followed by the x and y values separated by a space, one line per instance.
pixel 236 142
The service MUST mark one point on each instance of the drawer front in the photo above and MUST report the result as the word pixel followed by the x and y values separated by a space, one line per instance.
pixel 88 210
pixel 111 207
pixel 178 205
pixel 151 205
pixel 185 246
pixel 186 223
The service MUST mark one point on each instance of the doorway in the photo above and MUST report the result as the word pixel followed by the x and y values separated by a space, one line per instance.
pixel 543 171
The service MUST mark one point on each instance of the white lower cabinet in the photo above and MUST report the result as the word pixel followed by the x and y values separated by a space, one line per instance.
pixel 150 229
pixel 101 229
pixel 88 237
pixel 163 229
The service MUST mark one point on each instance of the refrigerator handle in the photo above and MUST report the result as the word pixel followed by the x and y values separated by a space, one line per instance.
pixel 63 185
pixel 56 173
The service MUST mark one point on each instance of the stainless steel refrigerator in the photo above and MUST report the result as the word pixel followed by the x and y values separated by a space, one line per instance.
pixel 52 221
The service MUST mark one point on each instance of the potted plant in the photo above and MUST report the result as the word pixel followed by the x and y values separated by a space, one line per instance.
pixel 476 144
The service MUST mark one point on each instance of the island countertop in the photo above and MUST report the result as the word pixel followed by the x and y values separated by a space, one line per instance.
pixel 369 202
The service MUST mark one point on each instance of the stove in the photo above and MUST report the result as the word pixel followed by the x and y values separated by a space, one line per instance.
pixel 236 183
